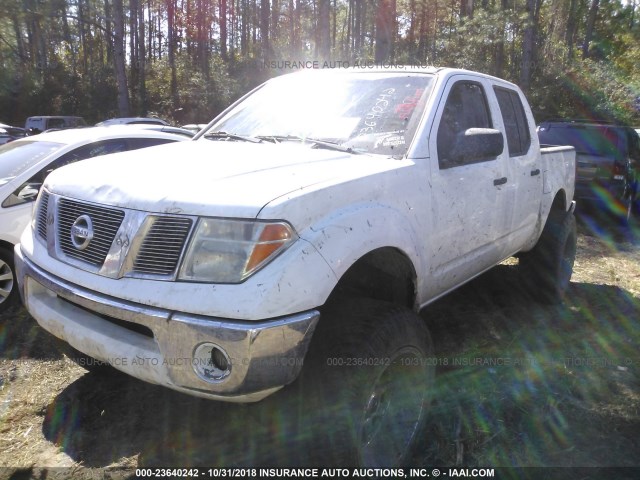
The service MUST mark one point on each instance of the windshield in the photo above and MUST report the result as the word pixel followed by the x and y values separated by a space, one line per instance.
pixel 366 112
pixel 587 140
pixel 16 157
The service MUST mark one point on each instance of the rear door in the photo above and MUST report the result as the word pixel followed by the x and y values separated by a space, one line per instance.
pixel 524 187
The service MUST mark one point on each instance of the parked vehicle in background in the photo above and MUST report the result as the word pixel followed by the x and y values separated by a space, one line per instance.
pixel 25 163
pixel 607 162
pixel 133 121
pixel 40 124
pixel 9 133
pixel 307 224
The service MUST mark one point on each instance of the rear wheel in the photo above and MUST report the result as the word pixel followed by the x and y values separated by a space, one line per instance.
pixel 371 377
pixel 548 267
pixel 628 202
pixel 629 205
pixel 8 283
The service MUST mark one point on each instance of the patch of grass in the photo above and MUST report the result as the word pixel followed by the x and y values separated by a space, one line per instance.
pixel 541 386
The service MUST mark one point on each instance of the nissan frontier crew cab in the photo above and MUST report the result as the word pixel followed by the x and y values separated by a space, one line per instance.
pixel 309 221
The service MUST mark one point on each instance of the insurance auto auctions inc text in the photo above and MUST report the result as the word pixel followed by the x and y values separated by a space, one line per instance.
pixel 259 473
pixel 374 472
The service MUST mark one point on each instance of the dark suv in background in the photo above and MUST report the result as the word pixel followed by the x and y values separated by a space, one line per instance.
pixel 607 160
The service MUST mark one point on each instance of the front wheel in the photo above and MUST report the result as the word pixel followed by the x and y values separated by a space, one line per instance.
pixel 8 283
pixel 547 269
pixel 372 374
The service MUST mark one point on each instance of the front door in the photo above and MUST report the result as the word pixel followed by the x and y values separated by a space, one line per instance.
pixel 468 193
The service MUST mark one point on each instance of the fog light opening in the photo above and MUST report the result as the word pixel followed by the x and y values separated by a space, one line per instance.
pixel 211 363
pixel 219 360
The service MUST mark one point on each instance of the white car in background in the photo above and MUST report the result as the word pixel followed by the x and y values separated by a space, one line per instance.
pixel 9 133
pixel 25 163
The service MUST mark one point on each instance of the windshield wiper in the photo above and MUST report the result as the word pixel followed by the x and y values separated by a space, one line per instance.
pixel 317 143
pixel 332 146
pixel 231 136
pixel 281 138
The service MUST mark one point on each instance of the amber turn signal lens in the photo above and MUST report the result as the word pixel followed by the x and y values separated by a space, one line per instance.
pixel 273 237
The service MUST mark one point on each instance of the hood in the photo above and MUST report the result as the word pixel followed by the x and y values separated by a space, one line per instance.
pixel 213 178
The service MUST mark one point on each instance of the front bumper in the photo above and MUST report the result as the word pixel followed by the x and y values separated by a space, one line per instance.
pixel 170 348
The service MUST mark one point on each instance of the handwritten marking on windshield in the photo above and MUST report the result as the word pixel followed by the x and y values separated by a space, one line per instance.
pixel 380 106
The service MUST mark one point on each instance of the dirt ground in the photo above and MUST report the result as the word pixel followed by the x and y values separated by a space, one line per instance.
pixel 519 384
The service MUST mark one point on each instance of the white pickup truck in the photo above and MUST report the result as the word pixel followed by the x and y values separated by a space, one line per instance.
pixel 315 217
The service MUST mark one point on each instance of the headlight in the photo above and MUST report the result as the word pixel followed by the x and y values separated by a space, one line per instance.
pixel 229 251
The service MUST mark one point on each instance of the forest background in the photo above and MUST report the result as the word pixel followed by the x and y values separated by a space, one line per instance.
pixel 186 60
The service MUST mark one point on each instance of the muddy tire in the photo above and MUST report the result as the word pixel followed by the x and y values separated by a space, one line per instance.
pixel 369 376
pixel 548 267
pixel 8 282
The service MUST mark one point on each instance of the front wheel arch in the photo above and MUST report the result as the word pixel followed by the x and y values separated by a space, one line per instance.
pixel 385 274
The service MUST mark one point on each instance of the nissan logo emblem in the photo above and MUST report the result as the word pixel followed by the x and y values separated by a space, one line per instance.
pixel 82 232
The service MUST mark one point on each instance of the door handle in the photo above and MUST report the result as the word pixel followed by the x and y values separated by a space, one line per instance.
pixel 500 181
pixel 535 172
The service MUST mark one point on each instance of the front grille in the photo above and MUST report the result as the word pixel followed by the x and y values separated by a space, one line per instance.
pixel 41 220
pixel 106 222
pixel 162 246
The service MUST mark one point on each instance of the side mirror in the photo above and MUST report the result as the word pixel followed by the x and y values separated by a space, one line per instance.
pixel 26 193
pixel 477 144
pixel 29 191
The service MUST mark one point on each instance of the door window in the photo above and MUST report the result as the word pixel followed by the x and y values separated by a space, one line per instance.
pixel 515 121
pixel 466 108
